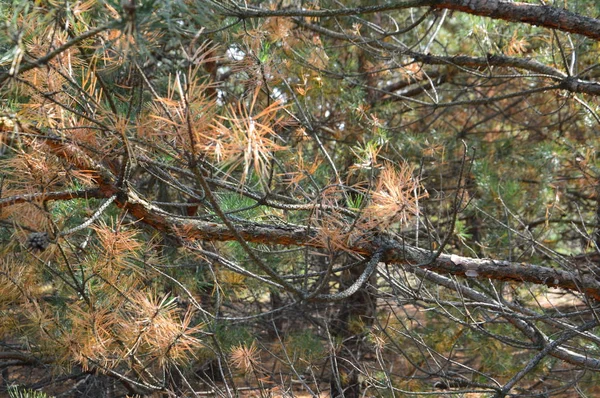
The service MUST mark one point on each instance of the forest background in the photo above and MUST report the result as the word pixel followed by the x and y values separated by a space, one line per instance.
pixel 299 198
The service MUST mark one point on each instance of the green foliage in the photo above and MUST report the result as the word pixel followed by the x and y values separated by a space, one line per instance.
pixel 230 336
pixel 461 231
pixel 240 206
pixel 16 392
pixel 304 347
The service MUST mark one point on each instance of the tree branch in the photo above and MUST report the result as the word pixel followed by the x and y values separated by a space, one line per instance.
pixel 533 14
pixel 396 252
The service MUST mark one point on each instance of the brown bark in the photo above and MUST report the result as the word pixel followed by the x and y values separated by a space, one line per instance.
pixel 533 14
pixel 394 252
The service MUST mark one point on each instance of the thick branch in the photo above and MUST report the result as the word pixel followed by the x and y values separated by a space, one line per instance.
pixel 396 252
pixel 533 14
pixel 495 269
pixel 570 83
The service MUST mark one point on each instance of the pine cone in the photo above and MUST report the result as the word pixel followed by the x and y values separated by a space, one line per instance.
pixel 38 241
